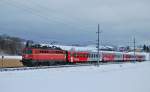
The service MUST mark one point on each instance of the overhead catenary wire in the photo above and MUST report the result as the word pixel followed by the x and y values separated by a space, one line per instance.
pixel 47 18
pixel 26 7
pixel 69 19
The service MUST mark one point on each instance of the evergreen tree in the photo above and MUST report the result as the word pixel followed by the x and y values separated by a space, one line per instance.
pixel 144 47
pixel 147 49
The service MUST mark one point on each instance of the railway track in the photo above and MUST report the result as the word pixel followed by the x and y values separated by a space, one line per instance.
pixel 41 67
pixel 55 66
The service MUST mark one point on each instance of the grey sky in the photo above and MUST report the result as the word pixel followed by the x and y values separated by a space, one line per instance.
pixel 75 21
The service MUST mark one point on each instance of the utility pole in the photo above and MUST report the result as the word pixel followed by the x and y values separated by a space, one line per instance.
pixel 2 61
pixel 134 48
pixel 98 48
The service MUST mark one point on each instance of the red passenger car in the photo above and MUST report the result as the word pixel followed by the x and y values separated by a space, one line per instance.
pixel 140 57
pixel 108 57
pixel 77 56
pixel 126 57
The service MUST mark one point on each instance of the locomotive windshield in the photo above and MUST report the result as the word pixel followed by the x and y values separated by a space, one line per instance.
pixel 27 51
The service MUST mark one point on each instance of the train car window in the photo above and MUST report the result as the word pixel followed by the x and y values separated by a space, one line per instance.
pixel 83 55
pixel 52 52
pixel 58 52
pixel 92 55
pixel 75 55
pixel 96 55
pixel 80 55
pixel 36 51
pixel 88 55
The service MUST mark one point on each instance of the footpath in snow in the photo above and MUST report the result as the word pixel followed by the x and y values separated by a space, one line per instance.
pixel 127 77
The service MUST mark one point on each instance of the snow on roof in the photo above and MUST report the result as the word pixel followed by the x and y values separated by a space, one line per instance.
pixel 79 48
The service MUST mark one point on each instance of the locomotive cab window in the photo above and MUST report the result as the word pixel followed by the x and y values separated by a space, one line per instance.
pixel 28 51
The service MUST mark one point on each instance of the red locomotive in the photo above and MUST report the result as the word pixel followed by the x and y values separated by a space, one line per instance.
pixel 35 56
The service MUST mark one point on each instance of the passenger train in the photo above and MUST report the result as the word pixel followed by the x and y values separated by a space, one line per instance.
pixel 48 56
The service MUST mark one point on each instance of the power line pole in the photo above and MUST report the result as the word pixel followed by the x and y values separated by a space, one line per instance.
pixel 134 48
pixel 98 48
pixel 2 61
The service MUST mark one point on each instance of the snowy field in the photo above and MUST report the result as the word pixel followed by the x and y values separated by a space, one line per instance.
pixel 11 57
pixel 128 77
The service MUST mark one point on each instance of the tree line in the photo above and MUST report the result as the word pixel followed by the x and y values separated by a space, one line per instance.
pixel 146 48
pixel 11 45
pixel 14 45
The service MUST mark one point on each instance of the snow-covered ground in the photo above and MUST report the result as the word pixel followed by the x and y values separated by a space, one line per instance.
pixel 11 57
pixel 128 77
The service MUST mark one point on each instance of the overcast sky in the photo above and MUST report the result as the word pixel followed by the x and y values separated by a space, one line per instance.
pixel 75 21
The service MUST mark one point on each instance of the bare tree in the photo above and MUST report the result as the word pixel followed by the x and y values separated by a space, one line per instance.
pixel 10 45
